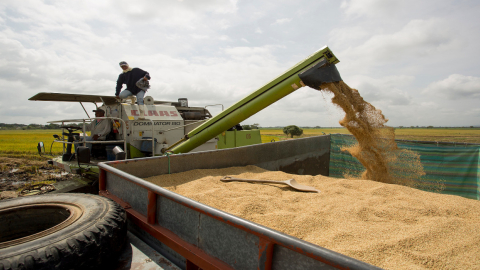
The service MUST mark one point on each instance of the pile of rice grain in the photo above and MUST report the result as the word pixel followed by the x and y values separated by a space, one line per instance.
pixel 387 225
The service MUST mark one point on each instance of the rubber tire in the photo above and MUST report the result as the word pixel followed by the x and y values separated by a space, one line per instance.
pixel 91 242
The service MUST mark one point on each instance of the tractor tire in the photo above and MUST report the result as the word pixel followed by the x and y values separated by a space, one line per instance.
pixel 60 231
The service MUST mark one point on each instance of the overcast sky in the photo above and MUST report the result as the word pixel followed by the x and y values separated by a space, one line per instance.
pixel 417 61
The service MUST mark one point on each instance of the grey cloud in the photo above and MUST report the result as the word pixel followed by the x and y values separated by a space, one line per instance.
pixel 455 87
pixel 358 8
pixel 43 67
pixel 194 49
pixel 418 38
pixel 173 12
pixel 282 21
pixel 385 92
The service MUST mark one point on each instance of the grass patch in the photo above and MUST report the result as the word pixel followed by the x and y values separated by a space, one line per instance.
pixel 278 135
pixel 269 138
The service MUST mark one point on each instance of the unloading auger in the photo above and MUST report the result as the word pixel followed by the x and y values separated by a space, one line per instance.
pixel 314 70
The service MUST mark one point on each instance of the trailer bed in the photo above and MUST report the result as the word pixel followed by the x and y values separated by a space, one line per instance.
pixel 191 234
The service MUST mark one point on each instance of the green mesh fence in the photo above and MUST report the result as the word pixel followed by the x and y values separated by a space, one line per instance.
pixel 456 165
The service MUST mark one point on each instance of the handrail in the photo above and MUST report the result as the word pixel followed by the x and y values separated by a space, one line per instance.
pixel 83 141
pixel 215 105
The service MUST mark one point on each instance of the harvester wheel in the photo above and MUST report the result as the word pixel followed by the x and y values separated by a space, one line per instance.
pixel 60 231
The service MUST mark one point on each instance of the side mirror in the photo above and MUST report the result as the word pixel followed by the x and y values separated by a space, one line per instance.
pixel 41 148
pixel 56 136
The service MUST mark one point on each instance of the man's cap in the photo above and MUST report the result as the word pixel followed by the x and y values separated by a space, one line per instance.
pixel 99 110
pixel 123 63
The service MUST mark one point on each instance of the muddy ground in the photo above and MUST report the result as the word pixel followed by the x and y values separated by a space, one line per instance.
pixel 19 177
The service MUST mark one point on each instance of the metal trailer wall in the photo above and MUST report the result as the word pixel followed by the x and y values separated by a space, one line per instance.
pixel 194 235
pixel 307 156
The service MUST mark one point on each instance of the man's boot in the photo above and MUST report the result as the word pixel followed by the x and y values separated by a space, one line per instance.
pixel 132 99
pixel 142 112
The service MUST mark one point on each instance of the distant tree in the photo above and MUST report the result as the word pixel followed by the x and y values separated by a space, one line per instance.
pixel 292 130
pixel 52 126
pixel 430 127
pixel 471 126
pixel 400 126
pixel 250 127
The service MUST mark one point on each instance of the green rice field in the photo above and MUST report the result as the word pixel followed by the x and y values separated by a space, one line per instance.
pixel 23 143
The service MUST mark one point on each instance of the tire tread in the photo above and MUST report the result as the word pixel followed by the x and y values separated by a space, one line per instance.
pixel 86 249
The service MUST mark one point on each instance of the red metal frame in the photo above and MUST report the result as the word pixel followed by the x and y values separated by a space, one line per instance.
pixel 195 256
pixel 102 180
pixel 152 207
pixel 266 247
pixel 191 266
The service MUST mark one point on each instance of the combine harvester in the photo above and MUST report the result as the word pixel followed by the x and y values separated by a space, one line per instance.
pixel 133 137
pixel 192 235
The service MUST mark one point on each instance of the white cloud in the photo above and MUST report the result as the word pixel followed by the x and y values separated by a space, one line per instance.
pixel 358 8
pixel 455 86
pixel 199 36
pixel 348 35
pixel 282 21
pixel 417 38
pixel 176 12
pixel 224 38
pixel 384 91
pixel 258 30
pixel 224 24
pixel 414 42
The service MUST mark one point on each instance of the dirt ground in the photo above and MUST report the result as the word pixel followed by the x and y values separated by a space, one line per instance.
pixel 29 176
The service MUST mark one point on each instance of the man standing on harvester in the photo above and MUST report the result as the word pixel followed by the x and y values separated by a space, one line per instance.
pixel 133 77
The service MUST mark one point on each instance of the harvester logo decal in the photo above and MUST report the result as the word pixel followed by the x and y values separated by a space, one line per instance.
pixel 157 123
pixel 155 113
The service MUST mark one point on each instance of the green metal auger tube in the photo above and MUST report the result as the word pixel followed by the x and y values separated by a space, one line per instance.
pixel 312 71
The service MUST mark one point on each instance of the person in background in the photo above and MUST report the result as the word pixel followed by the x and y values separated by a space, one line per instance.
pixel 99 129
